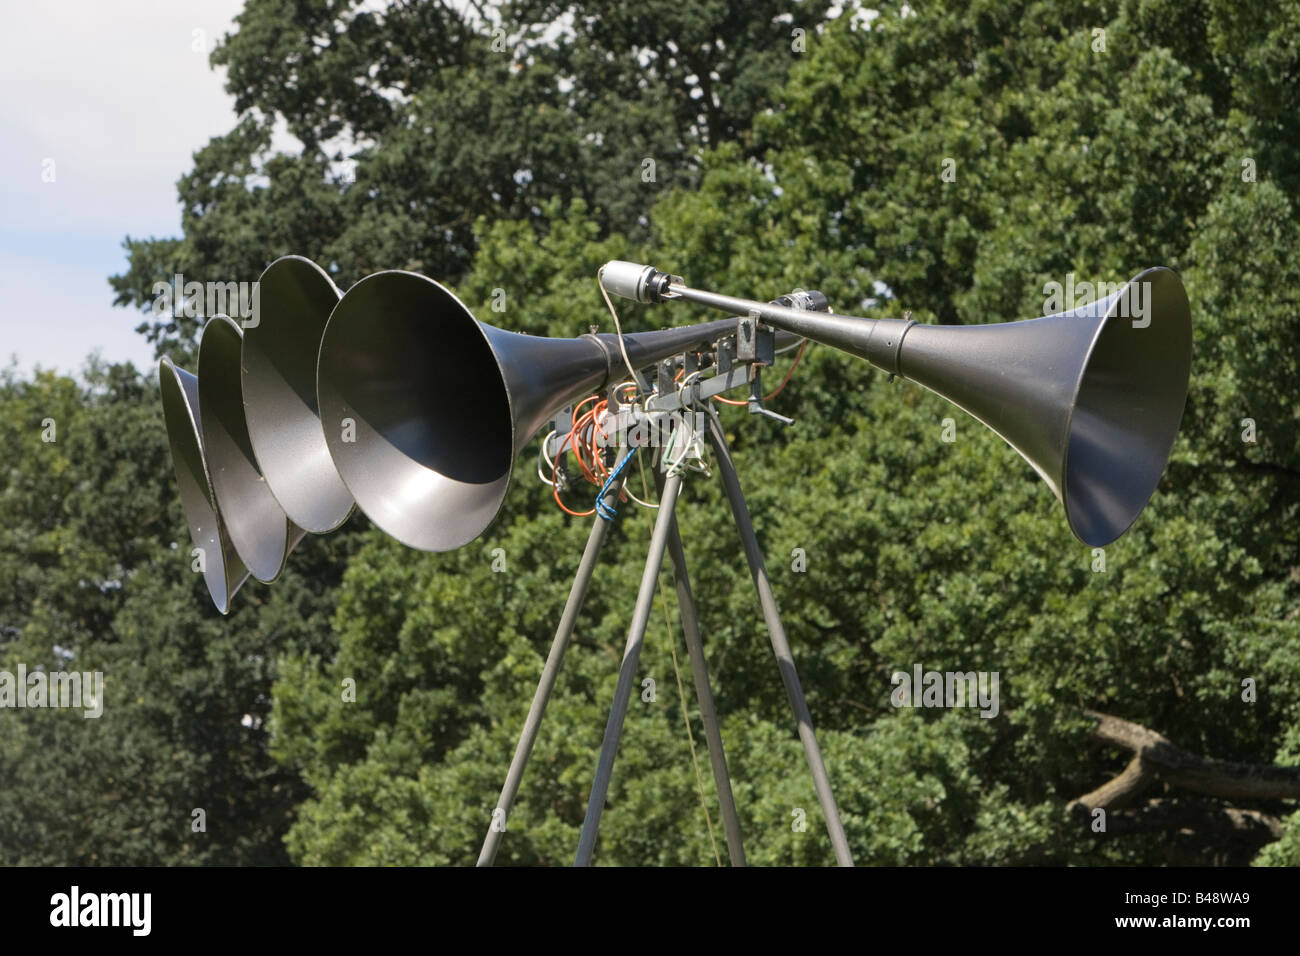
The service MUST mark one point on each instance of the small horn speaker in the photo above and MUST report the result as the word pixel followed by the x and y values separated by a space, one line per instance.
pixel 223 571
pixel 278 379
pixel 257 526
pixel 1092 397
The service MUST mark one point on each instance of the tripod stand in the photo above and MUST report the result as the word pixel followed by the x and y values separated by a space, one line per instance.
pixel 666 537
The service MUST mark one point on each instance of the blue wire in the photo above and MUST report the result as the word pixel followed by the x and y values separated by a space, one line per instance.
pixel 601 508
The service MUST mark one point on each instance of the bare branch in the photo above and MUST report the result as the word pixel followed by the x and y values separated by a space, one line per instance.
pixel 1155 758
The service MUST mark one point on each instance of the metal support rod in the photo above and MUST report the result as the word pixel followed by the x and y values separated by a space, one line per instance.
pixel 627 671
pixel 784 659
pixel 700 671
pixel 554 660
pixel 876 340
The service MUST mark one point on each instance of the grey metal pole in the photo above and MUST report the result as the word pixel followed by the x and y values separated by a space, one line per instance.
pixel 554 660
pixel 784 659
pixel 700 671
pixel 627 671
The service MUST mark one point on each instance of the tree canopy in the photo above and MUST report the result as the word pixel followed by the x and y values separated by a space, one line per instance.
pixel 950 160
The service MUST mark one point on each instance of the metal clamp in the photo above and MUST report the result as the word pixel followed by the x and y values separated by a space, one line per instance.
pixel 755 342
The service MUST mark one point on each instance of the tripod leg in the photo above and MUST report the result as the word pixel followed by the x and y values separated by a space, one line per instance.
pixel 627 671
pixel 700 671
pixel 554 660
pixel 784 659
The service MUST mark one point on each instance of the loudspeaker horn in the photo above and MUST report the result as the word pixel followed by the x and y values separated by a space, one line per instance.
pixel 223 571
pixel 278 383
pixel 1092 398
pixel 441 403
pixel 257 526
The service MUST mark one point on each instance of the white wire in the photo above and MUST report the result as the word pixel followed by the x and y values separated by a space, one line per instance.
pixel 670 467
pixel 686 381
pixel 541 453
pixel 617 327
pixel 675 466
pixel 643 504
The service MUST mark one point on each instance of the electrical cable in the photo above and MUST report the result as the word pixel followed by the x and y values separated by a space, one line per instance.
pixel 555 491
pixel 603 509
pixel 776 391
pixel 618 328
pixel 644 504
pixel 672 467
pixel 543 457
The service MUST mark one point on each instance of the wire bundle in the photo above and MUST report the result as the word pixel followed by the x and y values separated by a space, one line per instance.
pixel 587 441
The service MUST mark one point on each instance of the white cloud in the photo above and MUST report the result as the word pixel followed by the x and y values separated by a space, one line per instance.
pixel 116 95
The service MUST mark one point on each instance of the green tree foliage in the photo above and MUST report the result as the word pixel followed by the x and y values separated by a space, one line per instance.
pixel 1068 159
pixel 949 160
pixel 95 575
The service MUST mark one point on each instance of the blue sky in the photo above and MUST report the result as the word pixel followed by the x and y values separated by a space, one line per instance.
pixel 117 96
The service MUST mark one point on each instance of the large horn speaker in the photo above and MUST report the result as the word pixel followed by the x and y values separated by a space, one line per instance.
pixel 223 571
pixel 279 388
pixel 424 408
pixel 257 526
pixel 1092 398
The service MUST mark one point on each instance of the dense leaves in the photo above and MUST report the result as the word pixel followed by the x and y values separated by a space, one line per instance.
pixel 949 160
pixel 954 556
pixel 95 575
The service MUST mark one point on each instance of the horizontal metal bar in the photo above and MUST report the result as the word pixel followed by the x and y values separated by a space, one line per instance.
pixel 700 392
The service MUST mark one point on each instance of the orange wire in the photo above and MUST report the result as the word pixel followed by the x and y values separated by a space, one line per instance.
pixel 776 391
pixel 575 430
pixel 571 440
pixel 593 448
pixel 579 424
pixel 582 441
pixel 555 489
pixel 586 431
pixel 786 381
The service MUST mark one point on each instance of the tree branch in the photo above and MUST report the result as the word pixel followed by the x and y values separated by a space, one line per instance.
pixel 1156 759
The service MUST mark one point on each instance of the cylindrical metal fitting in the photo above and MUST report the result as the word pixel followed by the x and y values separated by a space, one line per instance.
pixel 627 279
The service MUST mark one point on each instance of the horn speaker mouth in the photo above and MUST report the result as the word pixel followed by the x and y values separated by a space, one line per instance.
pixel 278 383
pixel 223 572
pixel 416 411
pixel 253 519
pixel 1127 407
